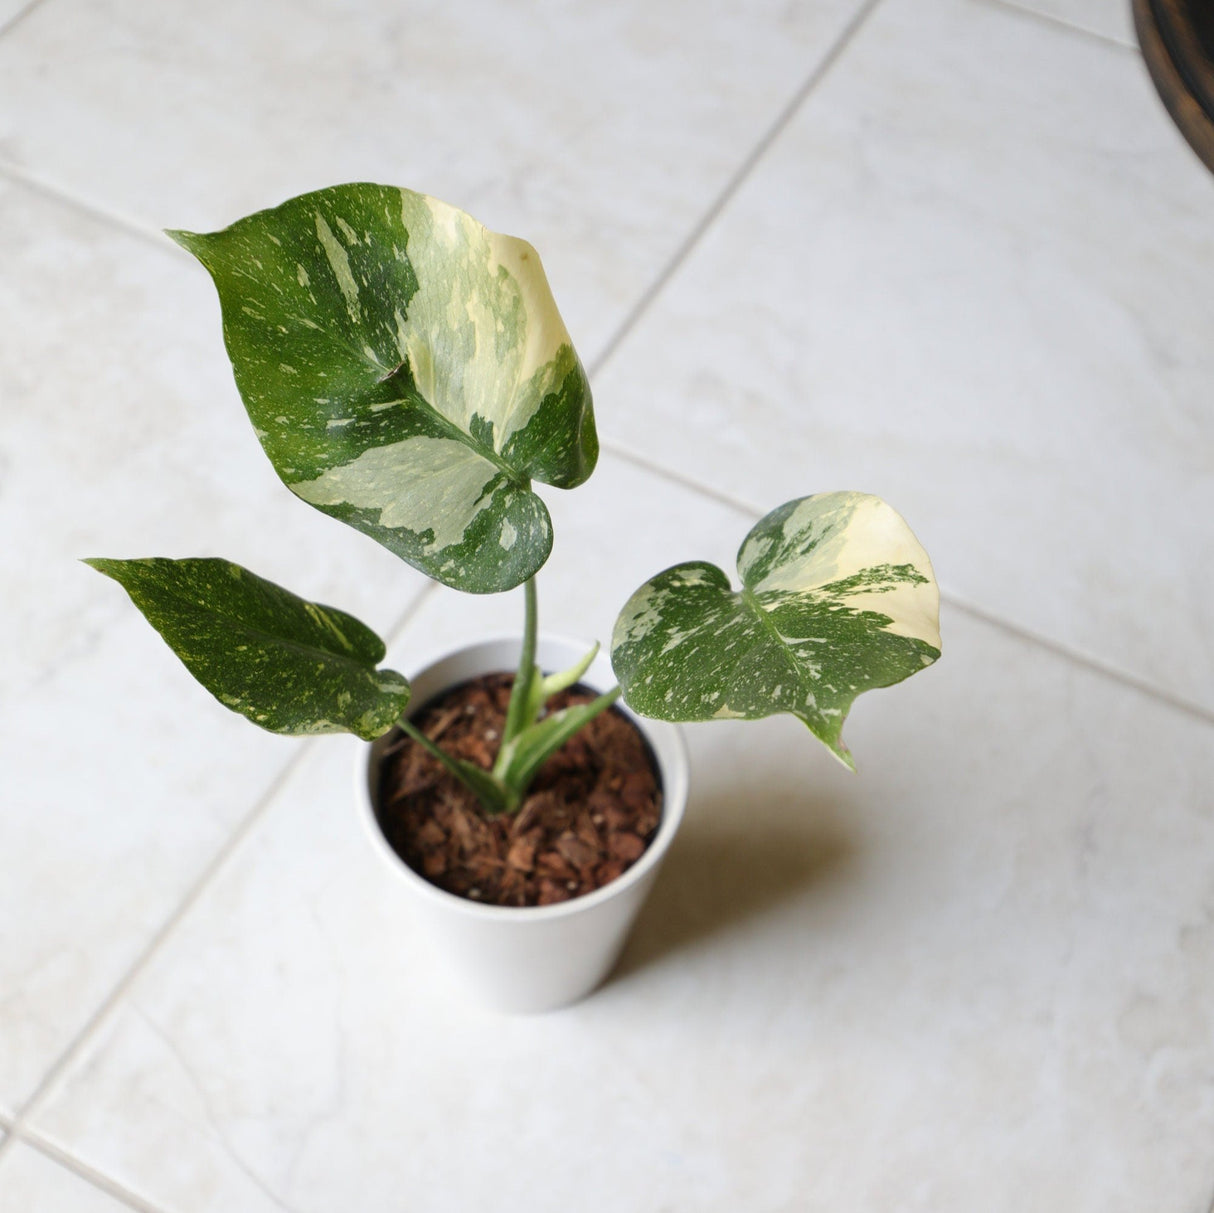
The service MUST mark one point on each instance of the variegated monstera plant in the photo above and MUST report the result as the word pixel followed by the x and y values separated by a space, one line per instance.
pixel 406 370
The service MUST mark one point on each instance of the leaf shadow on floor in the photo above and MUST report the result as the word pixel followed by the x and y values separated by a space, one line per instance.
pixel 734 862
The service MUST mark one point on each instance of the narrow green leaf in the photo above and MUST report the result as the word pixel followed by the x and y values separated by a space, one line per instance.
pixel 562 681
pixel 406 371
pixel 531 748
pixel 837 598
pixel 288 665
pixel 493 794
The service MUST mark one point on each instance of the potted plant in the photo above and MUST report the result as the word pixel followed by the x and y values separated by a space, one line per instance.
pixel 406 371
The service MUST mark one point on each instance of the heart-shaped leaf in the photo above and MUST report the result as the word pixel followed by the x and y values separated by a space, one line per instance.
pixel 837 597
pixel 406 371
pixel 289 665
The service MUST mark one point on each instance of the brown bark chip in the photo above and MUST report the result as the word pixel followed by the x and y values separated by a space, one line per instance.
pixel 592 811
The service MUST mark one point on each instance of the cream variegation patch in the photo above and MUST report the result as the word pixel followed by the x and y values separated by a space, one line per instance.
pixel 420 484
pixel 485 297
pixel 339 262
pixel 848 534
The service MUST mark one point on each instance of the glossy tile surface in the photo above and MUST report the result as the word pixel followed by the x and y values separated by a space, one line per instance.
pixel 971 272
pixel 551 121
pixel 958 282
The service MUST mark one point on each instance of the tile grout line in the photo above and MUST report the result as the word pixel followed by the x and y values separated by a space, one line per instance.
pixel 1093 664
pixel 1060 23
pixel 90 1175
pixel 415 605
pixel 1088 661
pixel 132 227
pixel 108 1006
pixel 19 16
pixel 676 477
pixel 735 183
pixel 17 1125
pixel 24 176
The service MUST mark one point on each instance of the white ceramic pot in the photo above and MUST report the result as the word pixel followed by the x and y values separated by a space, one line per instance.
pixel 532 958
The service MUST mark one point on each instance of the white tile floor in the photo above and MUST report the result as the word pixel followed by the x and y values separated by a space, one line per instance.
pixel 1109 18
pixel 948 251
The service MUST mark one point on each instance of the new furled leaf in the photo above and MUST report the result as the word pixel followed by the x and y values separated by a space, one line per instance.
pixel 407 372
pixel 288 665
pixel 837 597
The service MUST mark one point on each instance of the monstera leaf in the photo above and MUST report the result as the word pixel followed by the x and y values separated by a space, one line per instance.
pixel 406 371
pixel 288 665
pixel 837 597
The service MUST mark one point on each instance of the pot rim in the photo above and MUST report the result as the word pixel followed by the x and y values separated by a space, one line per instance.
pixel 665 741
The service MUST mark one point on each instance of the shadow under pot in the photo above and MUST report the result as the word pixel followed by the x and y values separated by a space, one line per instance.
pixel 532 957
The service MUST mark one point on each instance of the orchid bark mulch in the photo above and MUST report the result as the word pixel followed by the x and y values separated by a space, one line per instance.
pixel 592 811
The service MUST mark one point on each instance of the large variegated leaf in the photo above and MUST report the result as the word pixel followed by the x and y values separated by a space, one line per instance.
pixel 289 665
pixel 406 371
pixel 837 597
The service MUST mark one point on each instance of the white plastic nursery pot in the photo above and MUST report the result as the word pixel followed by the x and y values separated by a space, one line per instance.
pixel 532 958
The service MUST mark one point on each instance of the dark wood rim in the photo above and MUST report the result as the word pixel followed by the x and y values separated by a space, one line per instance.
pixel 1180 69
pixel 1187 29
